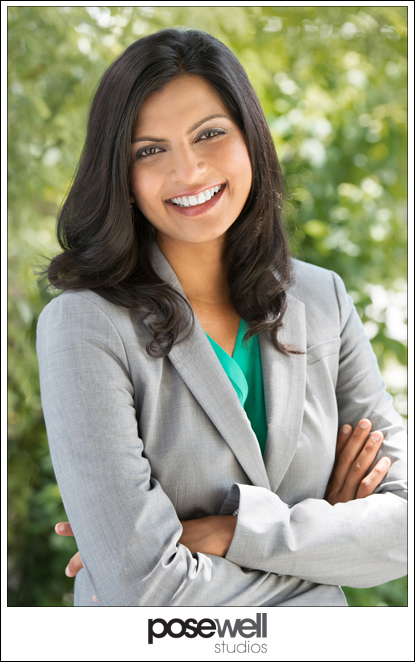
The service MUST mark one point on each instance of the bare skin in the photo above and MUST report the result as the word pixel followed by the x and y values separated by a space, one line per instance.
pixel 348 480
pixel 202 274
pixel 355 452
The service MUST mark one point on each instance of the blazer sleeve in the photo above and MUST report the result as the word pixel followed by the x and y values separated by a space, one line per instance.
pixel 126 528
pixel 360 543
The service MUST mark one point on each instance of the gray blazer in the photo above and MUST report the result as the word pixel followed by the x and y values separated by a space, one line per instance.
pixel 138 443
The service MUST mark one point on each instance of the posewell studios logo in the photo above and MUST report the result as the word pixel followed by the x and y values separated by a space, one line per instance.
pixel 247 628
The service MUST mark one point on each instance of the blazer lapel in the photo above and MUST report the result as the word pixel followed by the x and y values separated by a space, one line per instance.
pixel 200 369
pixel 284 386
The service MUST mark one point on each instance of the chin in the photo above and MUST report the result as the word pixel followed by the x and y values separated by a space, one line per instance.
pixel 203 239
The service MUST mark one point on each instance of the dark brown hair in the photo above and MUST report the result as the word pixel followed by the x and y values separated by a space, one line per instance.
pixel 107 244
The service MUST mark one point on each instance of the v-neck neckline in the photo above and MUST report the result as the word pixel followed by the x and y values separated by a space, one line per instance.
pixel 238 341
pixel 232 365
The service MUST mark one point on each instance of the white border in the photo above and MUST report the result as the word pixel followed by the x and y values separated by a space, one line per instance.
pixel 293 633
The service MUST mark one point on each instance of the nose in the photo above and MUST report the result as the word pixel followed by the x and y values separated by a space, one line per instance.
pixel 185 165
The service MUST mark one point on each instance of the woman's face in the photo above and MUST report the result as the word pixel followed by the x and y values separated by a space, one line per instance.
pixel 191 172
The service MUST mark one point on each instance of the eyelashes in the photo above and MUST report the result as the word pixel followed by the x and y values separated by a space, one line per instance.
pixel 152 150
pixel 147 151
pixel 213 133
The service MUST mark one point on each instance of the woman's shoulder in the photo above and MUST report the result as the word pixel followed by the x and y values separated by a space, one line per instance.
pixel 322 291
pixel 75 302
pixel 78 320
pixel 75 312
pixel 311 282
pixel 304 271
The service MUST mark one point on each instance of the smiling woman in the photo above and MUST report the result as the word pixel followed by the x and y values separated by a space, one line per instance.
pixel 209 401
pixel 193 183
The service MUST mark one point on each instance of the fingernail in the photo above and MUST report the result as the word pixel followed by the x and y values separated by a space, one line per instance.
pixel 364 424
pixel 346 429
pixel 67 571
pixel 61 527
pixel 376 436
pixel 385 461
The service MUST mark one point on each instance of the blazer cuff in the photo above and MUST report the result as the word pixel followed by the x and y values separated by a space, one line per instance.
pixel 255 512
pixel 231 504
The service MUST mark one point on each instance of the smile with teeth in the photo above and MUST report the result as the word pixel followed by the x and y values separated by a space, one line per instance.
pixel 194 200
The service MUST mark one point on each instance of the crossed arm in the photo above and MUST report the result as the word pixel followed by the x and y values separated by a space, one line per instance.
pixel 355 452
pixel 341 538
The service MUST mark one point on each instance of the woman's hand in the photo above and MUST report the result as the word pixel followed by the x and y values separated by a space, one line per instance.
pixel 355 453
pixel 75 564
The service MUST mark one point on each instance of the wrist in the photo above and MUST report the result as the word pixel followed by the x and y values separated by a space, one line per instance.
pixel 228 529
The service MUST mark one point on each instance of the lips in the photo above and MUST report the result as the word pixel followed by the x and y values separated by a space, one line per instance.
pixel 198 201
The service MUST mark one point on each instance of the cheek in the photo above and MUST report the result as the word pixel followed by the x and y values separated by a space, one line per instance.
pixel 143 185
pixel 239 164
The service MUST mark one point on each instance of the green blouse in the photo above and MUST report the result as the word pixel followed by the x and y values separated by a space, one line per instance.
pixel 244 370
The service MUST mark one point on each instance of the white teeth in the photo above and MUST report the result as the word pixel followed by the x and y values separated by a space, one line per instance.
pixel 193 200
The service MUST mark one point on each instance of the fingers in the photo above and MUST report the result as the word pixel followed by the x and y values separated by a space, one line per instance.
pixel 350 450
pixel 342 438
pixel 361 464
pixel 355 453
pixel 63 529
pixel 374 478
pixel 74 565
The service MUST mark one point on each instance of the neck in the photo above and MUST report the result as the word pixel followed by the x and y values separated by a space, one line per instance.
pixel 200 268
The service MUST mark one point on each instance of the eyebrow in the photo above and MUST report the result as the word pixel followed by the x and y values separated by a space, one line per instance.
pixel 193 128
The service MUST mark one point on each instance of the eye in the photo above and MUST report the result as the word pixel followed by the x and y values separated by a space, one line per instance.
pixel 210 133
pixel 147 151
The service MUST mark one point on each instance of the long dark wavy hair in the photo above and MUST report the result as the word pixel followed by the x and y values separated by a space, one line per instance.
pixel 106 244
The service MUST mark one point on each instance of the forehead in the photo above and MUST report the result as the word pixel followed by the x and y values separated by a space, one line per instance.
pixel 182 100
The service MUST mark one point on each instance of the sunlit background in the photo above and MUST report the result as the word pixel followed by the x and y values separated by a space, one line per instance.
pixel 333 84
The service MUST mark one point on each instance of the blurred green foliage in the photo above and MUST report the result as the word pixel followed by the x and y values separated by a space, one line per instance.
pixel 332 82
